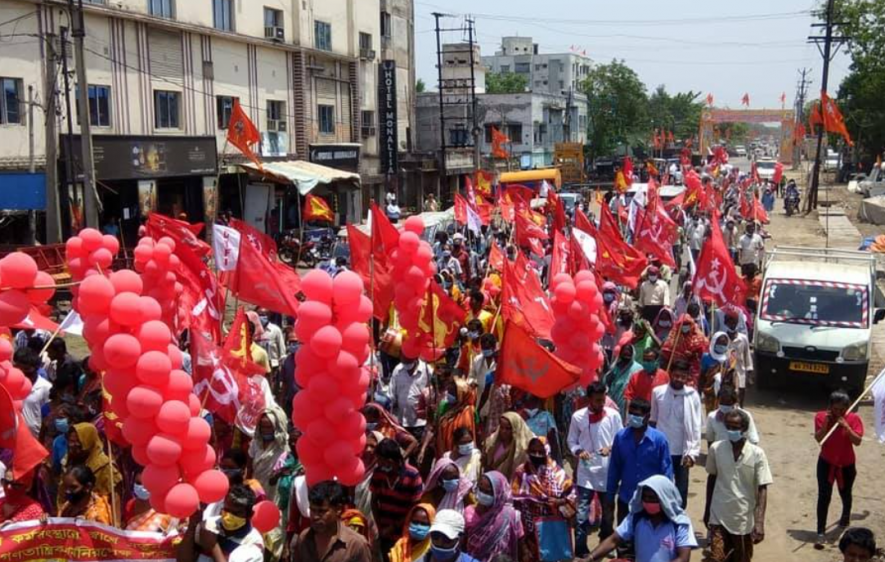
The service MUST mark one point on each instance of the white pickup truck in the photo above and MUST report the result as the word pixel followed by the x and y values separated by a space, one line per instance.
pixel 814 319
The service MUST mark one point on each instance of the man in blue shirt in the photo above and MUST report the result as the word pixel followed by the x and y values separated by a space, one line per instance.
pixel 638 452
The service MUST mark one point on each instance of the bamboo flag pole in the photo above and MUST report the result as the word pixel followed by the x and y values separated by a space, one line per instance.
pixel 853 406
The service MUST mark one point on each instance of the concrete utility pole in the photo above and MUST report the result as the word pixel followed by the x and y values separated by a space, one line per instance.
pixel 32 165
pixel 476 131
pixel 53 213
pixel 90 194
pixel 801 93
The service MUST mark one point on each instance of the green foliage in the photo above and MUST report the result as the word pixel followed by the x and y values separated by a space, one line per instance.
pixel 420 86
pixel 736 132
pixel 618 107
pixel 679 113
pixel 506 83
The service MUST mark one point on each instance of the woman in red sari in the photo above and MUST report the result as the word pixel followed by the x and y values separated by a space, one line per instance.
pixel 18 505
pixel 687 342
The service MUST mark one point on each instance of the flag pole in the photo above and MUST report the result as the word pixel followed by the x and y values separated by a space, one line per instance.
pixel 113 484
pixel 853 406
pixel 301 223
pixel 675 343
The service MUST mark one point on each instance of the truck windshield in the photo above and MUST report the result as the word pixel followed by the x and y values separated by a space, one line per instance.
pixel 765 165
pixel 816 303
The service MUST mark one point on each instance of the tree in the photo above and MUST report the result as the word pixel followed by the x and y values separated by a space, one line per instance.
pixel 679 113
pixel 420 86
pixel 618 107
pixel 506 83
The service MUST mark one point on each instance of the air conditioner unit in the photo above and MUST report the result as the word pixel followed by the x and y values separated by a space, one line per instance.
pixel 276 125
pixel 368 132
pixel 275 33
pixel 368 54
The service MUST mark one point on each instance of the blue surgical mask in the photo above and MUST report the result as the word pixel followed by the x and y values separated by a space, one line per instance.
pixel 473 335
pixel 608 297
pixel 440 553
pixel 140 492
pixel 636 422
pixel 720 349
pixel 292 348
pixel 268 436
pixel 484 498
pixel 450 485
pixel 725 408
pixel 370 426
pixel 465 449
pixel 734 435
pixel 418 531
pixel 488 353
pixel 61 425
pixel 650 366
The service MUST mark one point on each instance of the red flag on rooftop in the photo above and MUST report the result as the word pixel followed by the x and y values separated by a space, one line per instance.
pixel 242 132
pixel 746 100
pixel 499 139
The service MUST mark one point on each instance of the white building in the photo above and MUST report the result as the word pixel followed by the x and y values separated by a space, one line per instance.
pixel 556 74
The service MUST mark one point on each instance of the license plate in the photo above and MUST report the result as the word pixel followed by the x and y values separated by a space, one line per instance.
pixel 816 368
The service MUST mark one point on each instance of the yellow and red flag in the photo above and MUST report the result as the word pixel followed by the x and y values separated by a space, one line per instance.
pixel 316 209
pixel 440 318
pixel 242 132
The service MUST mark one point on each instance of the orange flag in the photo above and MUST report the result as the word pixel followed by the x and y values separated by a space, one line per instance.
pixel 832 118
pixel 242 132
pixel 499 139
pixel 528 366
pixel 316 208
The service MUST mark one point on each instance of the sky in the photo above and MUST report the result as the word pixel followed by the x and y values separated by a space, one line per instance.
pixel 727 49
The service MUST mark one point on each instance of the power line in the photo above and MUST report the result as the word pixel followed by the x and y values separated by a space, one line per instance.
pixel 19 18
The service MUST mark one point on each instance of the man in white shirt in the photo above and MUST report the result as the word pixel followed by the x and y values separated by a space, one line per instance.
pixel 408 381
pixel 737 492
pixel 716 430
pixel 730 236
pixel 654 294
pixel 590 437
pixel 28 362
pixel 676 412
pixel 697 233
pixel 751 247
pixel 739 347
pixel 229 535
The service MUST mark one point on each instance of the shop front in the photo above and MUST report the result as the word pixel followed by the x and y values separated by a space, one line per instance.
pixel 172 175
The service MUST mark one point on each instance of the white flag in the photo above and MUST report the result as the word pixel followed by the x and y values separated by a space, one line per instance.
pixel 588 244
pixel 226 247
pixel 72 324
pixel 878 391
pixel 474 222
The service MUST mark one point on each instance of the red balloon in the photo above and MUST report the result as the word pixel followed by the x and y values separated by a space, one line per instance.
pixel 5 350
pixel 175 356
pixel 110 244
pixel 180 386
pixel 153 368
pixel 415 279
pixel 92 239
pixel 96 293
pixel 305 409
pixel 353 474
pixel 317 286
pixel 366 309
pixel 212 486
pixel 18 270
pixel 324 388
pixel 73 248
pixel 265 516
pixel 160 479
pixel 358 445
pixel 354 338
pixel 414 224
pixel 193 402
pixel 321 432
pixel 121 351
pixel 101 258
pixel 337 409
pixel 326 342
pixel 138 431
pixel 150 309
pixel 565 292
pixel 40 296
pixel 126 309
pixel 338 453
pixel 408 242
pixel 197 434
pixel 144 402
pixel 174 417
pixel 127 281
pixel 119 383
pixel 154 336
pixel 164 450
pixel 559 278
pixel 348 288
pixel 195 462
pixel 97 362
pixel 318 473
pixel 139 455
pixel 350 427
pixel 182 500
pixel 14 307
pixel 161 254
pixel 309 452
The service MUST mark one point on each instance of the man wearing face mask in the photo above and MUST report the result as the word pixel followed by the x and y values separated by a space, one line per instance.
pixel 446 533
pixel 654 294
pixel 716 430
pixel 287 373
pixel 751 247
pixel 676 412
pixel 737 492
pixel 328 539
pixel 407 383
pixel 650 377
pixel 638 452
pixel 273 341
pixel 228 536
pixel 739 348
pixel 396 488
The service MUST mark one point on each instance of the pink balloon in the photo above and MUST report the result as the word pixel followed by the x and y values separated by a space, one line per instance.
pixel 197 434
pixel 180 386
pixel 153 368
pixel 40 296
pixel 74 248
pixel 586 291
pixel 326 342
pixel 366 309
pixel 154 336
pixel 211 486
pixel 565 293
pixel 265 516
pixel 193 402
pixel 173 417
pixel 14 307
pixel 17 271
pixel 317 286
pixel 111 244
pixel 138 431
pixel 414 224
pixel 92 239
pixel 160 479
pixel 122 351
pixel 348 288
pixel 409 242
pixel 338 453
pixel 126 309
pixel 194 463
pixel 101 258
pixel 139 455
pixel 161 254
pixel 144 402
pixel 354 338
pixel 352 475
pixel 163 450
pixel 584 275
pixel 127 281
pixel 182 500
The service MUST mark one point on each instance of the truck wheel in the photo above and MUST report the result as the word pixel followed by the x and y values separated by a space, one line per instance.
pixel 765 379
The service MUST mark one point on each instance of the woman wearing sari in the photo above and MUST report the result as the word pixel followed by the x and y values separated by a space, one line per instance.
pixel 662 325
pixel 619 375
pixel 507 448
pixel 446 488
pixel 84 447
pixel 466 456
pixel 541 488
pixel 269 445
pixel 687 342
pixel 380 420
pixel 81 498
pixel 717 367
pixel 643 337
pixel 456 411
pixel 415 542
pixel 493 526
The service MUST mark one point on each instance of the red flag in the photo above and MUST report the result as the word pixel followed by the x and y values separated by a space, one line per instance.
pixel 460 209
pixel 528 233
pixel 759 214
pixel 496 257
pixel 628 170
pixel 716 277
pixel 316 208
pixel 746 100
pixel 560 259
pixel 557 210
pixel 184 233
pixel 242 132
pixel 656 234
pixel 710 100
pixel 670 138
pixel 259 278
pixel 499 139
pixel 615 259
pixel 360 257
pixel 694 190
pixel 778 173
pixel 484 183
pixel 27 451
pixel 214 382
pixel 520 194
pixel 583 223
pixel 385 236
pixel 815 117
pixel 832 118
pixel 527 365
pixel 441 320
pixel 35 320
pixel 508 209
pixel 237 350
pixel 783 98
pixel 523 301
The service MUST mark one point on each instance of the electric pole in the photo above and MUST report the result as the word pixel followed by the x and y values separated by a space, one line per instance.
pixel 53 213
pixel 90 194
pixel 475 131
pixel 801 93
pixel 827 52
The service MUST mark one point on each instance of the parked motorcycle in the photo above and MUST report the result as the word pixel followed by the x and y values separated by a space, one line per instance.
pixel 290 247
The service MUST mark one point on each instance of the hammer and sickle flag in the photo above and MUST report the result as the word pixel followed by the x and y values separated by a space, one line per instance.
pixel 440 318
pixel 530 367
pixel 316 209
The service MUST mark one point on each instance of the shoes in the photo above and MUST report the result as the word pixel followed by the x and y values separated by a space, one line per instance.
pixel 819 542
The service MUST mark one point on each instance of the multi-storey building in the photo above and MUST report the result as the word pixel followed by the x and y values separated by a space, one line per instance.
pixel 163 76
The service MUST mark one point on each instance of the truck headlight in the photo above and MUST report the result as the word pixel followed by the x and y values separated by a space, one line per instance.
pixel 856 352
pixel 766 343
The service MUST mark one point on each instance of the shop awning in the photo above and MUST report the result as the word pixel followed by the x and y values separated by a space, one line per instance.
pixel 552 175
pixel 305 176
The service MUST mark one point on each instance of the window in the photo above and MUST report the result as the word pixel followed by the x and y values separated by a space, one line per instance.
pixel 11 101
pixel 273 24
pixel 99 106
pixel 385 25
pixel 223 15
pixel 224 106
pixel 323 35
pixel 166 109
pixel 505 68
pixel 367 118
pixel 326 117
pixel 161 8
pixel 514 132
pixel 276 116
pixel 522 68
pixel 365 41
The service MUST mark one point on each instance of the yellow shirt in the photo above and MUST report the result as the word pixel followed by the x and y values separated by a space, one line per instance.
pixel 259 357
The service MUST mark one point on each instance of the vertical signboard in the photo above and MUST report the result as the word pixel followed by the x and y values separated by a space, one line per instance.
pixel 387 117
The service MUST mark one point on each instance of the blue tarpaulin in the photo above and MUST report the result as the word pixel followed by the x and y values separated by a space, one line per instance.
pixel 22 191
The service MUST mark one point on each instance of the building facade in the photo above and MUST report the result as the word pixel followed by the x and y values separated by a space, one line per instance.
pixel 163 75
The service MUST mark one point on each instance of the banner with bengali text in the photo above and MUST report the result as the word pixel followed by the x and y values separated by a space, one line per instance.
pixel 77 540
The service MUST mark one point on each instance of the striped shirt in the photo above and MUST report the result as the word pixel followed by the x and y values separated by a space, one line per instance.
pixel 393 497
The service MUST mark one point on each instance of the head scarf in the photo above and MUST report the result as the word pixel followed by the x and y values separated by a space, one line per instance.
pixel 619 376
pixel 355 518
pixel 387 424
pixel 660 331
pixel 517 451
pixel 451 500
pixel 688 344
pixel 488 533
pixel 97 461
pixel 264 458
pixel 252 316
pixel 404 550
pixel 608 286
pixel 717 356
pixel 671 501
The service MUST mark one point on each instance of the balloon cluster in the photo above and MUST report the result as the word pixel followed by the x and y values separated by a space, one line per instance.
pixel 330 370
pixel 413 268
pixel 15 381
pixel 577 329
pixel 19 279
pixel 157 263
pixel 89 252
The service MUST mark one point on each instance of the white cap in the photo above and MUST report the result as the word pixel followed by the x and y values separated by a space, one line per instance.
pixel 458 236
pixel 448 522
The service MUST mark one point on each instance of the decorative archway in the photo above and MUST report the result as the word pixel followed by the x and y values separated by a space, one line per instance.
pixel 786 117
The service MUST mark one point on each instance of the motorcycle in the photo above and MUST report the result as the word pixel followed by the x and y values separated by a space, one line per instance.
pixel 791 202
pixel 290 247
